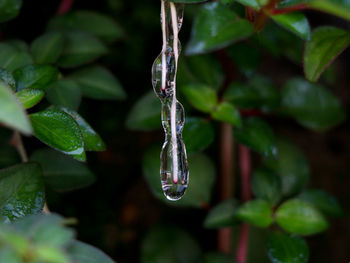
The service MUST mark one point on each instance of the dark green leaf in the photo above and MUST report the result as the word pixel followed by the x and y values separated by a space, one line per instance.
pixel 222 215
pixel 98 82
pixel 22 191
pixel 169 245
pixel 12 58
pixel 339 8
pixel 35 77
pixel 251 3
pixel 267 186
pixel 311 105
pixel 326 44
pixel 295 22
pixel 198 134
pixel 301 218
pixel 12 113
pixel 65 93
pixel 80 48
pixel 145 114
pixel 226 112
pixel 242 95
pixel 84 253
pixel 287 249
pixel 61 172
pixel 323 201
pixel 257 135
pixel 216 258
pixel 18 44
pixel 9 9
pixel 201 97
pixel 291 166
pixel 8 155
pixel 256 212
pixel 59 130
pixel 30 97
pixel 47 48
pixel 215 27
pixel 95 23
pixel 7 78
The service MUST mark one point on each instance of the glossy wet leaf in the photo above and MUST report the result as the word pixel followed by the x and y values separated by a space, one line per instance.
pixel 157 247
pixel 267 186
pixel 339 8
pixel 216 26
pixel 80 48
pixel 215 257
pixel 60 131
pixel 227 112
pixel 12 113
pixel 222 215
pixel 22 191
pixel 312 105
pixel 256 212
pixel 85 253
pixel 100 25
pixel 326 44
pixel 284 248
pixel 98 82
pixel 35 77
pixel 61 172
pixel 30 97
pixel 145 113
pixel 9 9
pixel 323 201
pixel 47 48
pixel 198 134
pixel 92 141
pixel 295 22
pixel 290 165
pixel 7 78
pixel 201 97
pixel 257 135
pixel 12 58
pixel 299 217
pixel 65 93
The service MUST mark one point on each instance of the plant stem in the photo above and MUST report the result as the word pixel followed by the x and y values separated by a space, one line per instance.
pixel 64 6
pixel 245 166
pixel 18 143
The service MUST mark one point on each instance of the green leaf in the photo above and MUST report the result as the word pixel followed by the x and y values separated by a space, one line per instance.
pixel 226 112
pixel 201 97
pixel 339 8
pixel 46 253
pixel 242 95
pixel 80 48
pixel 18 44
pixel 98 82
pixel 222 215
pixel 100 25
pixel 312 105
pixel 145 114
pixel 216 27
pixel 295 22
pixel 59 130
pixel 256 212
pixel 8 154
pixel 198 134
pixel 22 191
pixel 326 44
pixel 65 93
pixel 291 166
pixel 35 77
pixel 47 48
pixel 189 1
pixel 84 253
pixel 169 245
pixel 251 3
pixel 257 135
pixel 61 172
pixel 9 255
pixel 216 258
pixel 7 78
pixel 323 201
pixel 30 97
pixel 287 249
pixel 12 58
pixel 301 218
pixel 12 113
pixel 9 9
pixel 92 141
pixel 267 186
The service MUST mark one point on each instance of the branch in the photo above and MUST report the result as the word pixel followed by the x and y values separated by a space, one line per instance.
pixel 17 142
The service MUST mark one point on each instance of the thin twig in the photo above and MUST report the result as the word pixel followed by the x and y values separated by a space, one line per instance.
pixel 18 143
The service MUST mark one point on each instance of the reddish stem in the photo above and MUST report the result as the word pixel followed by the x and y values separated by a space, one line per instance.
pixel 251 113
pixel 250 14
pixel 288 9
pixel 64 7
pixel 243 244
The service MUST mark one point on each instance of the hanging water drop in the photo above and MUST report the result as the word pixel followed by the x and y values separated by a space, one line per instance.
pixel 174 172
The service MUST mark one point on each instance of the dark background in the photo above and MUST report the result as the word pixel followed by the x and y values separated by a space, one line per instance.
pixel 117 211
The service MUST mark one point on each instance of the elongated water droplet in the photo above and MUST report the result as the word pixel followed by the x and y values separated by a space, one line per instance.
pixel 174 172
